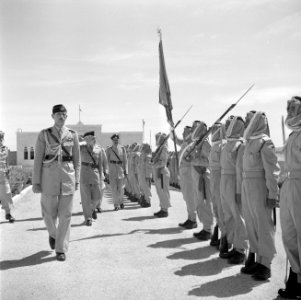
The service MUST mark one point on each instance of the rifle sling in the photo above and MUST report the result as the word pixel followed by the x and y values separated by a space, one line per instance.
pixel 57 140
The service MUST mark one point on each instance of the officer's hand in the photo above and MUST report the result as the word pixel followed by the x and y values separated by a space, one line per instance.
pixel 238 199
pixel 76 186
pixel 36 188
pixel 271 203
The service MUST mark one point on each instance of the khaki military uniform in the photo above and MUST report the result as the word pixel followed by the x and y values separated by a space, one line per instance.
pixel 215 182
pixel 91 178
pixel 145 175
pixel 290 203
pixel 5 191
pixel 259 182
pixel 105 168
pixel 57 172
pixel 117 170
pixel 201 185
pixel 234 222
pixel 161 177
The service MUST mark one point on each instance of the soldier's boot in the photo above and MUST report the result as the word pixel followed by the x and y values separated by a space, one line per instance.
pixel 250 265
pixel 223 247
pixel 214 239
pixel 262 273
pixel 292 288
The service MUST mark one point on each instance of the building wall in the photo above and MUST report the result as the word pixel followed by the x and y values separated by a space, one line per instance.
pixel 27 141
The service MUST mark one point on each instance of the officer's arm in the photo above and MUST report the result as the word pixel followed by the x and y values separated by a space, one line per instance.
pixel 104 161
pixel 125 161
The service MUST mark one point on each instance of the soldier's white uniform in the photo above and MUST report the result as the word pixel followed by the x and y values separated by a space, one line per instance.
pixel 57 173
pixel 186 181
pixel 91 178
pixel 290 200
pixel 5 191
pixel 218 141
pixel 118 169
pixel 259 183
pixel 161 177
pixel 201 183
pixel 235 225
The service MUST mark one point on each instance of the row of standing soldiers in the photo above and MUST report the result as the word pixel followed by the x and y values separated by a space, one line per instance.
pixel 235 180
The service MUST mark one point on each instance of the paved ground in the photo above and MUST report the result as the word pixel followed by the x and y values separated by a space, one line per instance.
pixel 127 254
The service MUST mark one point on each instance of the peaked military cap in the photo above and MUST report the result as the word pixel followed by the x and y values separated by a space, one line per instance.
pixel 58 108
pixel 90 133
pixel 115 136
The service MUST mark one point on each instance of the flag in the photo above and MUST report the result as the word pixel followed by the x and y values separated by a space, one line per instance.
pixel 164 90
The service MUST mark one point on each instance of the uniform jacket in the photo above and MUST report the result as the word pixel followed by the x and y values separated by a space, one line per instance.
pixel 200 156
pixel 93 174
pixel 56 177
pixel 116 169
pixel 4 153
pixel 260 157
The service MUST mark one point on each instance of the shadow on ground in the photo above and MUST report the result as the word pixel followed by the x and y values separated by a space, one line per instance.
pixel 176 243
pixel 231 286
pixel 194 254
pixel 32 260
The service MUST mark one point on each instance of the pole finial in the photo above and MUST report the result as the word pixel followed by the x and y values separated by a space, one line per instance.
pixel 159 32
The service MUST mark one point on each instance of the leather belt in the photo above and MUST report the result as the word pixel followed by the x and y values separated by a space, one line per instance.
pixel 90 164
pixel 64 158
pixel 115 162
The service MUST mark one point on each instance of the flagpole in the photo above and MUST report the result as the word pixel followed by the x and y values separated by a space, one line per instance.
pixel 79 110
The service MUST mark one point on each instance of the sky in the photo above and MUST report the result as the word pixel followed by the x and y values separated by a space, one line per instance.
pixel 102 55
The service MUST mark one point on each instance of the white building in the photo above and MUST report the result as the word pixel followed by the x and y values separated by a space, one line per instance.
pixel 26 141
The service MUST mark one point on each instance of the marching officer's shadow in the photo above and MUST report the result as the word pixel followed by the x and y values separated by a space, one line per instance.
pixel 31 260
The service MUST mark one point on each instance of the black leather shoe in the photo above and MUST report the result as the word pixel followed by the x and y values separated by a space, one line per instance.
pixel 203 235
pixel 145 204
pixel 292 287
pixel 10 218
pixel 89 222
pixel 60 256
pixel 162 214
pixel 98 209
pixel 157 213
pixel 116 208
pixel 122 206
pixel 51 242
pixel 94 214
pixel 262 273
pixel 237 258
pixel 214 239
pixel 227 254
pixel 189 224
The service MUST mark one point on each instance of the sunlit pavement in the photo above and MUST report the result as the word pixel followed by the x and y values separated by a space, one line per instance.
pixel 128 254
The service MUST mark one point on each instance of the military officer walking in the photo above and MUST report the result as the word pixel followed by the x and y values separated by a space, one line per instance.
pixel 56 176
pixel 91 176
pixel 118 170
pixel 5 192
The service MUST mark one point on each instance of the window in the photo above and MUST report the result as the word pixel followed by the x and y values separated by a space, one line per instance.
pixel 31 153
pixel 25 153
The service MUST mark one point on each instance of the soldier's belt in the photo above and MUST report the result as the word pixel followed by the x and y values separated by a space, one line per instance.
pixel 64 158
pixel 90 164
pixel 293 174
pixel 115 162
pixel 253 174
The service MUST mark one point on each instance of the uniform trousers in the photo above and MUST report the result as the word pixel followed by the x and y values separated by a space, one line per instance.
pixel 90 196
pixel 215 182
pixel 146 188
pixel 117 188
pixel 5 196
pixel 290 208
pixel 203 202
pixel 58 208
pixel 99 201
pixel 162 187
pixel 235 225
pixel 258 220
pixel 187 191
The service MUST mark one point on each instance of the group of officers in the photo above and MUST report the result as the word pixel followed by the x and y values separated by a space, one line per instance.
pixel 231 184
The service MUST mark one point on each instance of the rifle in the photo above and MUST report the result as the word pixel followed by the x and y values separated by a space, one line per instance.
pixel 156 153
pixel 203 138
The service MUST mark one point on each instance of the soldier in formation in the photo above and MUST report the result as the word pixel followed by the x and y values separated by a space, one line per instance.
pixel 5 191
